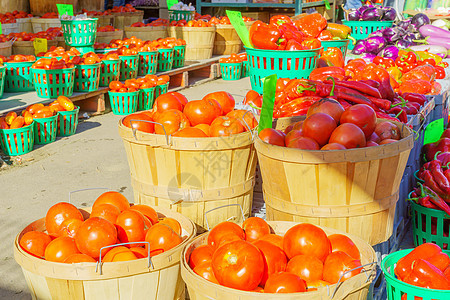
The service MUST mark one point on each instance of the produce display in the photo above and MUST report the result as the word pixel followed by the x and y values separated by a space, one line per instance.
pixel 10 17
pixel 234 58
pixel 107 28
pixel 371 13
pixel 60 52
pixel 132 85
pixel 52 64
pixel 17 58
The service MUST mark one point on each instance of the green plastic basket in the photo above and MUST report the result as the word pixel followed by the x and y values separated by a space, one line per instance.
pixel 109 71
pixel 68 122
pixel 396 288
pixel 18 77
pixel 177 15
pixel 2 80
pixel 79 33
pixel 286 64
pixel 231 71
pixel 362 29
pixel 148 63
pixel 123 103
pixel 165 59
pixel 245 71
pixel 17 141
pixel 341 44
pixel 87 78
pixel 161 89
pixel 85 49
pixel 146 98
pixel 53 83
pixel 179 56
pixel 103 51
pixel 45 130
pixel 129 65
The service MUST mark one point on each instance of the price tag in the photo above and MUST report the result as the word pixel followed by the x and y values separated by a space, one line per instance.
pixel 65 9
pixel 239 25
pixel 327 4
pixel 40 45
pixel 265 120
pixel 1 30
pixel 171 3
pixel 433 131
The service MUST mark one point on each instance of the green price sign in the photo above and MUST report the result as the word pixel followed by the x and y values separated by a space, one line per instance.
pixel 327 4
pixel 433 131
pixel 171 3
pixel 65 9
pixel 265 120
pixel 1 30
pixel 239 25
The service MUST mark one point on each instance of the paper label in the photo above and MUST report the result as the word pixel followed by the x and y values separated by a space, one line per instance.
pixel 433 131
pixel 265 120
pixel 65 9
pixel 40 45
pixel 239 25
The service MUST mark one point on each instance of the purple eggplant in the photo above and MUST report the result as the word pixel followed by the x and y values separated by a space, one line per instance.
pixel 419 20
pixel 368 57
pixel 403 44
pixel 389 52
pixel 377 33
pixel 353 15
pixel 404 24
pixel 389 14
pixel 374 44
pixel 434 31
pixel 438 41
pixel 360 47
pixel 363 8
pixel 393 34
pixel 372 14
pixel 410 37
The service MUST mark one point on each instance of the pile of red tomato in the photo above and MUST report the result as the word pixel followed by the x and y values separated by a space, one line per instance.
pixel 10 17
pixel 50 15
pixel 329 127
pixel 60 52
pixel 155 23
pixel 234 58
pixel 17 58
pixel 108 56
pixel 251 258
pixel 89 58
pixel 132 85
pixel 107 28
pixel 52 64
pixel 26 36
pixel 95 13
pixel 226 20
pixel 120 9
pixel 72 238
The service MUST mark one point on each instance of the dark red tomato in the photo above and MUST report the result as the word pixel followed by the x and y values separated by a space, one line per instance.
pixel 340 242
pixel 293 135
pixel 274 259
pixel 387 130
pixel 361 115
pixel 35 242
pixel 225 100
pixel 205 270
pixel 304 143
pixel 307 267
pixel 319 127
pixel 288 129
pixel 272 136
pixel 58 213
pixel 221 230
pixel 387 141
pixel 144 125
pixel 349 135
pixel 327 106
pixel 130 227
pixel 171 100
pixel 238 265
pixel 255 228
pixel 333 146
pixel 374 137
pixel 306 239
pixel 371 144
pixel 200 255
pixel 60 248
pixel 202 111
pixel 297 125
pixel 94 234
pixel 336 264
pixel 285 282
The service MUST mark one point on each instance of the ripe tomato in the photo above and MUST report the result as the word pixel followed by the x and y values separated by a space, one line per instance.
pixel 372 143
pixel 17 123
pixel 306 239
pixel 172 120
pixel 139 252
pixel 340 242
pixel 225 100
pixel 141 126
pixel 130 227
pixel 387 141
pixel 78 258
pixel 284 282
pixel 336 264
pixel 307 267
pixel 204 128
pixel 200 255
pixel 33 108
pixel 222 229
pixel 171 100
pixel 255 228
pixel 66 103
pixel 374 138
pixel 327 106
pixel 293 135
pixel 349 135
pixel 202 111
pixel 205 270
pixel 57 214
pixel 238 265
pixel 274 259
pixel 35 242
pixel 319 127
pixel 172 223
pixel 190 132
pixel 387 130
pixel 274 239
pixel 161 238
pixel 119 253
pixel 313 285
pixel 272 136
pixel 147 211
pixel 106 211
pixel 94 234
pixel 114 198
pixel 303 143
pixel 60 248
pixel 333 146
pixel 361 115
pixel 245 117
pixel 225 126
pixel 69 227
pixel 116 85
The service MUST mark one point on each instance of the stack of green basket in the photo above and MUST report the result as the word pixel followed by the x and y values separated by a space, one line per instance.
pixel 80 34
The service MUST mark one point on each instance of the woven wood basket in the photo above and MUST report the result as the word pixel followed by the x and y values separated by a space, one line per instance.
pixel 199 40
pixel 122 20
pixel 40 24
pixel 148 33
pixel 227 40
pixel 106 37
pixel 27 48
pixel 6 48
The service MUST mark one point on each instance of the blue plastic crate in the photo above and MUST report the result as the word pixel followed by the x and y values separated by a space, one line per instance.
pixel 441 108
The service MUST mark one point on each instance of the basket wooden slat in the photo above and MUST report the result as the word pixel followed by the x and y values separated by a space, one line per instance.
pixel 6 48
pixel 40 24
pixel 353 190
pixel 355 288
pixel 105 20
pixel 199 40
pixel 122 20
pixel 227 40
pixel 106 37
pixel 27 48
pixel 148 33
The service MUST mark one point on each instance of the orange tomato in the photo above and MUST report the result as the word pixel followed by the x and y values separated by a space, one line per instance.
pixel 274 239
pixel 284 282
pixel 78 258
pixel 114 198
pixel 202 111
pixel 225 126
pixel 204 128
pixel 171 100
pixel 200 255
pixel 246 117
pixel 171 120
pixel 307 267
pixel 130 227
pixel 60 248
pixel 3 124
pixel 66 103
pixel 119 253
pixel 275 260
pixel 28 117
pixel 306 239
pixel 10 117
pixel 190 132
pixel 57 214
pixel 222 229
pixel 106 211
pixel 69 227
pixel 147 211
pixel 161 238
pixel 205 270
pixel 35 242
pixel 340 242
pixel 172 223
pixel 255 228
pixel 339 263
pixel 35 107
pixel 94 234
pixel 17 122
pixel 139 252
pixel 141 122
pixel 226 100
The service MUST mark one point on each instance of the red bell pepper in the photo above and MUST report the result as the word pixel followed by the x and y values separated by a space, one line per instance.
pixel 311 24
pixel 290 32
pixel 424 251
pixel 355 67
pixel 293 45
pixel 326 35
pixel 266 37
pixel 332 58
pixel 279 20
pixel 321 74
pixel 372 71
pixel 415 86
pixel 311 43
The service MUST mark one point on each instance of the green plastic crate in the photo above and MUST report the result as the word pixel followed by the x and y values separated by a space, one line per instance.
pixel 53 83
pixel 17 141
pixel 396 288
pixel 109 71
pixel 68 122
pixel 362 29
pixel 123 103
pixel 2 80
pixel 231 71
pixel 87 78
pixel 165 59
pixel 45 130
pixel 179 56
pixel 177 15
pixel 161 89
pixel 286 64
pixel 18 77
pixel 79 33
pixel 146 98
pixel 245 71
pixel 341 44
pixel 148 63
pixel 129 66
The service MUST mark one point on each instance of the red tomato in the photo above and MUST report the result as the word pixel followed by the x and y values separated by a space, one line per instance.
pixel 284 282
pixel 114 198
pixel 327 106
pixel 69 227
pixel 119 253
pixel 306 239
pixel 190 132
pixel 58 213
pixel 255 228
pixel 272 136
pixel 225 126
pixel 319 127
pixel 172 120
pixel 274 259
pixel 238 265
pixel 387 130
pixel 340 242
pixel 336 264
pixel 361 115
pixel 94 234
pixel 349 135
pixel 60 248
pixel 205 270
pixel 293 135
pixel 106 211
pixel 145 126
pixel 147 211
pixel 274 239
pixel 222 229
pixel 225 100
pixel 200 255
pixel 372 143
pixel 307 267
pixel 78 258
pixel 374 138
pixel 161 238
pixel 172 223
pixel 303 143
pixel 130 227
pixel 202 111
pixel 35 242
pixel 171 100
pixel 387 141
pixel 246 117
pixel 204 128
pixel 333 146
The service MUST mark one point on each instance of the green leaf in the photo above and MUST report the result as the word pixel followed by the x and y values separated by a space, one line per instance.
pixel 239 25
pixel 265 120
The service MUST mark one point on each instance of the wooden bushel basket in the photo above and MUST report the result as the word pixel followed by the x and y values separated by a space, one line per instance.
pixel 227 40
pixel 147 33
pixel 199 40
pixel 6 48
pixel 192 175
pixel 117 280
pixel 107 36
pixel 40 24
pixel 105 20
pixel 122 20
pixel 355 288
pixel 353 190
pixel 27 48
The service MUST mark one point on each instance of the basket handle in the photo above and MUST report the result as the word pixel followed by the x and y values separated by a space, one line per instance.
pixel 99 263
pixel 343 274
pixel 88 189
pixel 246 124
pixel 168 141
pixel 223 206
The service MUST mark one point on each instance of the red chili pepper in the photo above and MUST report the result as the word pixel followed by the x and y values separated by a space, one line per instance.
pixel 443 158
pixel 434 197
pixel 442 145
pixel 380 103
pixel 298 106
pixel 360 87
pixel 426 202
pixel 344 103
pixel 372 71
pixel 438 176
pixel 415 97
pixel 383 115
pixel 430 182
